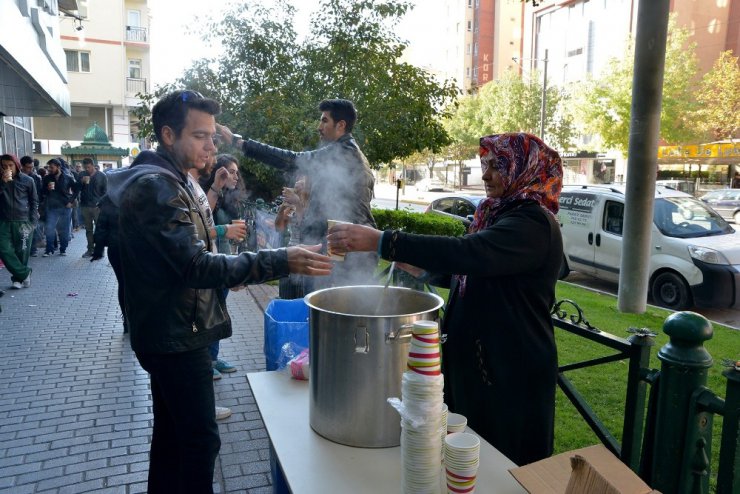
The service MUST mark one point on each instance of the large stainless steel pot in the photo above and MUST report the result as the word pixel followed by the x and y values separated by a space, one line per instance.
pixel 359 340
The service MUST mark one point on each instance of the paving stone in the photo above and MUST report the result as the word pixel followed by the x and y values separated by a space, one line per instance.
pixel 75 405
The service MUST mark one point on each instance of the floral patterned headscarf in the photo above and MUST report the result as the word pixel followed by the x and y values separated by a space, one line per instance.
pixel 529 168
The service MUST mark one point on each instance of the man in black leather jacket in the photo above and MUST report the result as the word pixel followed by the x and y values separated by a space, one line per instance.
pixel 174 289
pixel 340 182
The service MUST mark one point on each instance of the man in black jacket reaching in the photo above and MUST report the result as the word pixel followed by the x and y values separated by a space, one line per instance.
pixel 340 185
pixel 175 306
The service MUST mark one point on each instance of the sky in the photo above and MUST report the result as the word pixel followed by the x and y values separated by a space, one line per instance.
pixel 173 48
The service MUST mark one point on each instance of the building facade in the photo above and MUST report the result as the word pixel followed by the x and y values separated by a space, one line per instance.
pixel 33 76
pixel 107 59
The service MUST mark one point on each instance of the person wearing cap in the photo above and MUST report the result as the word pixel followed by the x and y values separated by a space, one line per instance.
pixel 499 360
pixel 19 206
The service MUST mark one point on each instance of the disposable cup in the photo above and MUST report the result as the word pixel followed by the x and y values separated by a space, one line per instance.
pixel 335 256
pixel 425 327
pixel 86 179
pixel 52 185
pixel 456 423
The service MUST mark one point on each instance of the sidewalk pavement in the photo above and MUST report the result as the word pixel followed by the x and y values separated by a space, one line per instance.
pixel 75 406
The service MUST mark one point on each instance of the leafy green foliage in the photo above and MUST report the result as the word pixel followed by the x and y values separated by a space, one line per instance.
pixel 421 223
pixel 604 103
pixel 718 98
pixel 269 85
pixel 511 104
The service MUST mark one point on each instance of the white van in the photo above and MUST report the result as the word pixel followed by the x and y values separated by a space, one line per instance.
pixel 694 257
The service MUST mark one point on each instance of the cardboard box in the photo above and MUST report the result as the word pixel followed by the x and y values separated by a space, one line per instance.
pixel 591 470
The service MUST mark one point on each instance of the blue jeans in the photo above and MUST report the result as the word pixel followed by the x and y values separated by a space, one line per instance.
pixel 57 222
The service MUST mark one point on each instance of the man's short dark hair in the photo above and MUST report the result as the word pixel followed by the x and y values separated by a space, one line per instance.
pixel 340 109
pixel 25 160
pixel 87 161
pixel 173 109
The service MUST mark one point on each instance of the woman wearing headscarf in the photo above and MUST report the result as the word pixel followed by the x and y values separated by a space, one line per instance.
pixel 499 360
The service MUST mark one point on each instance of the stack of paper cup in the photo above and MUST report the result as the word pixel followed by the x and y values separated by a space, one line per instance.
pixel 456 423
pixel 424 355
pixel 443 429
pixel 421 423
pixel 462 458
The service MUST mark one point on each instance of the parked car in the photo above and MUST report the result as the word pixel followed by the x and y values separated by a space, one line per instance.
pixel 430 185
pixel 694 252
pixel 726 202
pixel 458 207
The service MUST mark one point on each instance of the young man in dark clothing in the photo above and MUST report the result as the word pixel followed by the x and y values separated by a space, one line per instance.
pixel 28 166
pixel 18 214
pixel 93 185
pixel 59 190
pixel 175 306
pixel 341 184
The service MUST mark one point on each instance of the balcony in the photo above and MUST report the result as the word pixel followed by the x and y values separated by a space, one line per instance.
pixel 137 34
pixel 135 86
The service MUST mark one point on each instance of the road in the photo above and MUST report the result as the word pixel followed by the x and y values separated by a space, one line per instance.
pixel 418 201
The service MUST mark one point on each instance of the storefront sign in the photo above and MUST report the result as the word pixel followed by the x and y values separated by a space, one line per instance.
pixel 700 151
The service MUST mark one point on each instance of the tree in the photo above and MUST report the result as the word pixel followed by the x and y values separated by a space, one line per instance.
pixel 269 85
pixel 510 104
pixel 604 102
pixel 718 97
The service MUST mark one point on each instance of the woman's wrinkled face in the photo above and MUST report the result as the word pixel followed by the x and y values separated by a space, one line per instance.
pixel 492 178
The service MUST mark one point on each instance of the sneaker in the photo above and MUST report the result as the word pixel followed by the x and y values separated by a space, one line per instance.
pixel 216 375
pixel 87 254
pixel 47 254
pixel 62 253
pixel 223 366
pixel 27 282
pixel 223 413
pixel 17 285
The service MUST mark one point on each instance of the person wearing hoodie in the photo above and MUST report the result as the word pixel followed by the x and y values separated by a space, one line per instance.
pixel 58 187
pixel 19 211
pixel 174 285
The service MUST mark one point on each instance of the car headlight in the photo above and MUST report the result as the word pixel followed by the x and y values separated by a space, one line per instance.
pixel 704 254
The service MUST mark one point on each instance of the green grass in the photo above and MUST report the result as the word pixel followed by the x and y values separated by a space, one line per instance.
pixel 604 386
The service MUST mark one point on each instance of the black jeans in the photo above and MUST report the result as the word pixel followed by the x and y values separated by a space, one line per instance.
pixel 185 439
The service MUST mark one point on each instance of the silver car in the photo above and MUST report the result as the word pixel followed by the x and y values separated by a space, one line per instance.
pixel 726 202
pixel 459 207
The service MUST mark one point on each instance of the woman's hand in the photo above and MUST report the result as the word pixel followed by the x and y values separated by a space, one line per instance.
pixel 236 231
pixel 305 259
pixel 284 213
pixel 346 237
pixel 221 179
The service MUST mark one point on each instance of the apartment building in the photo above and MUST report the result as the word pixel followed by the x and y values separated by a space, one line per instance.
pixel 106 47
pixel 33 76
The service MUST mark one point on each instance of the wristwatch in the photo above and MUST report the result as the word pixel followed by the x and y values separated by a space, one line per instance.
pixel 234 139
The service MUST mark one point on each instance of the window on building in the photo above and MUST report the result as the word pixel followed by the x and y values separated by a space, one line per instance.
pixel 134 68
pixel 470 4
pixel 77 61
pixel 134 18
pixel 467 49
pixel 467 72
pixel 470 25
pixel 475 49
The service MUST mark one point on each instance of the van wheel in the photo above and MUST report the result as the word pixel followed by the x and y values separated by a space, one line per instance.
pixel 564 269
pixel 671 291
pixel 737 218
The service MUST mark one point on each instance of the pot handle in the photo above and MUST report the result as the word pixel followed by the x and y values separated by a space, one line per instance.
pixel 402 335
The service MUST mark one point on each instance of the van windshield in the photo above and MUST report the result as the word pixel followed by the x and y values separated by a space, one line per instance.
pixel 685 217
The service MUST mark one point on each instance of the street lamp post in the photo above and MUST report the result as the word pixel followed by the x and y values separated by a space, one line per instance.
pixel 544 98
pixel 543 106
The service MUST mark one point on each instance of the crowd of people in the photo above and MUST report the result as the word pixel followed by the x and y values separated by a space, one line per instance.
pixel 173 225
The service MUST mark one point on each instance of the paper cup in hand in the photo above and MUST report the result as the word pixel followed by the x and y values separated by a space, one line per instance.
pixel 86 179
pixel 336 256
pixel 52 185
